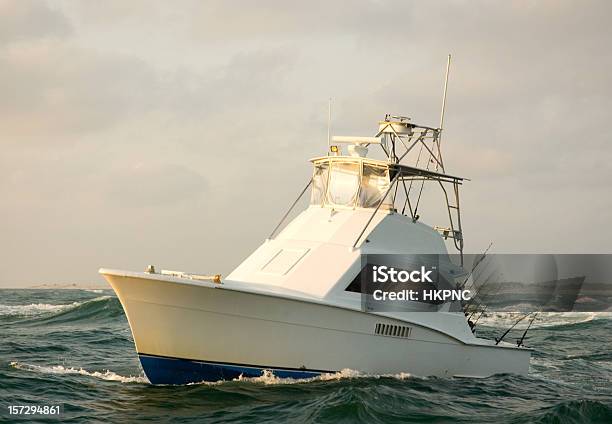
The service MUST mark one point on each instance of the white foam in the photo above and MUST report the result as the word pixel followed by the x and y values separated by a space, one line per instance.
pixel 42 308
pixel 60 369
pixel 35 308
pixel 543 319
pixel 405 376
pixel 268 377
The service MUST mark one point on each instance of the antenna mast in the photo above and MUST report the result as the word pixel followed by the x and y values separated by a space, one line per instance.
pixel 439 138
pixel 329 123
pixel 444 95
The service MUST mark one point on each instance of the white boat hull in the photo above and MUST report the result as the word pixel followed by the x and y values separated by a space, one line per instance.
pixel 190 332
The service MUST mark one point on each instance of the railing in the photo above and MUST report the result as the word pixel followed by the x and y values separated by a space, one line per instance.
pixel 216 278
pixel 290 209
pixel 455 230
pixel 393 182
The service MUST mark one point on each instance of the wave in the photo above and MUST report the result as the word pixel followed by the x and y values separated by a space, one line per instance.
pixel 575 411
pixel 543 319
pixel 35 309
pixel 60 369
pixel 97 309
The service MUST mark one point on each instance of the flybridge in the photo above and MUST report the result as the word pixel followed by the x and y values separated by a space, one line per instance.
pixel 411 158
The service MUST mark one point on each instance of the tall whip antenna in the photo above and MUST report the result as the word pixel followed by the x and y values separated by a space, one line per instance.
pixel 439 138
pixel 329 123
pixel 444 95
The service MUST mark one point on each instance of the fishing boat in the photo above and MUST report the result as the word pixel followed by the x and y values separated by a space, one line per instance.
pixel 294 306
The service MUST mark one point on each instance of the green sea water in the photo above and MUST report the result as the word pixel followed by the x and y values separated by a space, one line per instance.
pixel 73 348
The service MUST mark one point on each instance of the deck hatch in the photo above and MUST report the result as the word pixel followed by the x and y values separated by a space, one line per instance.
pixel 284 260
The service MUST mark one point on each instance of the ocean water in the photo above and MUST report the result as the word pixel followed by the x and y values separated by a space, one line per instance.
pixel 73 348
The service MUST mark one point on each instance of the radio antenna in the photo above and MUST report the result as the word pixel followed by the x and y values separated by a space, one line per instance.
pixel 438 139
pixel 444 95
pixel 329 123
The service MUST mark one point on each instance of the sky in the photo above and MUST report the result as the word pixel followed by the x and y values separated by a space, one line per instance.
pixel 178 133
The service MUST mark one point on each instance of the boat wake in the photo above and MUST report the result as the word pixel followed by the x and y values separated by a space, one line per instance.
pixel 269 379
pixel 60 369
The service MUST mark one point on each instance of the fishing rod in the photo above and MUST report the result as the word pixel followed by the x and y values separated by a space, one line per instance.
pixel 479 260
pixel 478 319
pixel 519 343
pixel 477 292
pixel 484 310
pixel 462 285
pixel 497 341
pixel 473 302
pixel 475 278
pixel 477 307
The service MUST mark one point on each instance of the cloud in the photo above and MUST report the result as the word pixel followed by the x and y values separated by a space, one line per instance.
pixel 197 119
pixel 146 185
pixel 51 88
pixel 30 19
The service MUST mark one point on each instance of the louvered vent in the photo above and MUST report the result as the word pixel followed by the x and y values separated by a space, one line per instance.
pixel 392 330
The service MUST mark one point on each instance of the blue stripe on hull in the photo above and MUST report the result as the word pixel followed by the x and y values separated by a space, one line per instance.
pixel 163 370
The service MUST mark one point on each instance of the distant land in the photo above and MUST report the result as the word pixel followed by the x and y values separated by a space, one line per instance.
pixel 89 286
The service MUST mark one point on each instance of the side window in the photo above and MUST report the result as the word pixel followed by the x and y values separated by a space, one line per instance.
pixel 319 183
pixel 362 283
pixel 374 185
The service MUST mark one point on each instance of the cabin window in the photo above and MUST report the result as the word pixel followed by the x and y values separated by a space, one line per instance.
pixel 350 183
pixel 374 185
pixel 343 183
pixel 319 183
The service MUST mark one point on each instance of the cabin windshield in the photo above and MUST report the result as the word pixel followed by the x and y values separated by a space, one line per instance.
pixel 349 183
